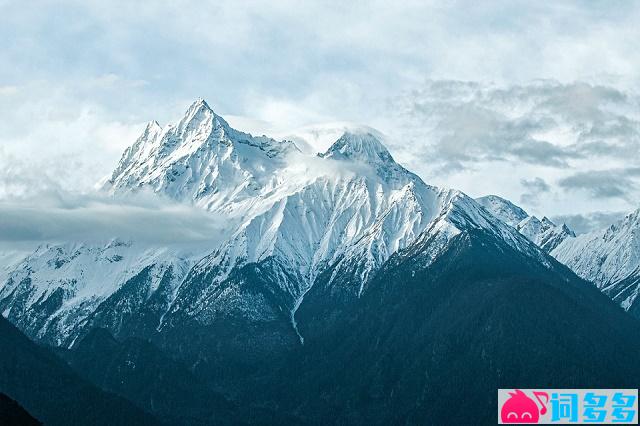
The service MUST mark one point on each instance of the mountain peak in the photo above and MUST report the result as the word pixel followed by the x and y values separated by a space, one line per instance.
pixel 545 220
pixel 200 115
pixel 151 129
pixel 365 146
pixel 567 230
pixel 200 158
pixel 200 103
pixel 503 209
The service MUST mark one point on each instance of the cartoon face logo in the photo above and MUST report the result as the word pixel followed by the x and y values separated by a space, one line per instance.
pixel 519 408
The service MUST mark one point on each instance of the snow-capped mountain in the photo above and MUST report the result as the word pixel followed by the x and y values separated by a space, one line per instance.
pixel 609 258
pixel 344 251
pixel 503 209
pixel 203 161
pixel 291 215
pixel 352 206
pixel 54 290
pixel 544 233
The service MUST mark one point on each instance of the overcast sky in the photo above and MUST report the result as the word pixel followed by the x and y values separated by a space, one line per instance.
pixel 534 101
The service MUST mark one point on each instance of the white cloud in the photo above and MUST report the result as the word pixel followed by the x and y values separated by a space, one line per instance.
pixel 580 138
pixel 55 130
pixel 74 93
pixel 35 207
pixel 83 217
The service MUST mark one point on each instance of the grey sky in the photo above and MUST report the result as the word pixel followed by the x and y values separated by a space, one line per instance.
pixel 481 96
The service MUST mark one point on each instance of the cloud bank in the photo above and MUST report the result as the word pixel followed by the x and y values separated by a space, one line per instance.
pixel 583 223
pixel 94 217
pixel 557 147
pixel 474 95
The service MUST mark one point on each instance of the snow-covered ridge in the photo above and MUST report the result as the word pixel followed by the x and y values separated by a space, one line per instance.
pixel 202 160
pixel 292 214
pixel 609 258
pixel 544 233
pixel 503 209
pixel 71 280
pixel 360 147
